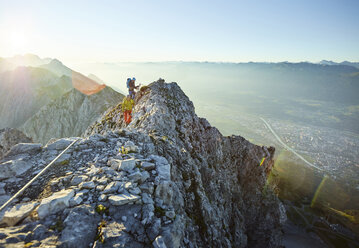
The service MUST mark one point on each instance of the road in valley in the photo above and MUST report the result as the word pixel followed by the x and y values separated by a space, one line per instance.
pixel 287 147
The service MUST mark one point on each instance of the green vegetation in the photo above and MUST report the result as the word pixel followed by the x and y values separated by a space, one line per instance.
pixel 159 212
pixel 58 226
pixel 101 209
pixel 65 162
pixel 123 150
pixel 99 236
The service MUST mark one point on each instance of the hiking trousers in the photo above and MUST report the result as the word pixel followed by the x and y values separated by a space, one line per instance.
pixel 132 93
pixel 127 116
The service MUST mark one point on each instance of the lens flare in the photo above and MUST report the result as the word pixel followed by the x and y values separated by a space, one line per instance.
pixel 262 161
pixel 317 192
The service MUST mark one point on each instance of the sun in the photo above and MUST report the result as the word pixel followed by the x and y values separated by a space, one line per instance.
pixel 17 34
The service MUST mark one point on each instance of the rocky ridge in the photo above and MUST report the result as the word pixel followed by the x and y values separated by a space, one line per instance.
pixel 169 179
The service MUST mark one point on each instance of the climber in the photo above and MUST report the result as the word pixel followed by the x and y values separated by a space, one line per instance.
pixel 131 87
pixel 127 105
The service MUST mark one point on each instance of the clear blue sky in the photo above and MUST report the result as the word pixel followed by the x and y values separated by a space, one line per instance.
pixel 151 30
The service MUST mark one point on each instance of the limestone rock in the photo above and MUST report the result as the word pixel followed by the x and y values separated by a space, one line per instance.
pixel 135 191
pixel 57 202
pixel 113 163
pixel 21 148
pixel 127 165
pixel 10 137
pixel 148 166
pixel 154 229
pixel 123 199
pixel 124 165
pixel 112 187
pixel 131 147
pixel 164 191
pixel 102 197
pixel 146 198
pixel 164 171
pixel 135 177
pixel 13 168
pixel 76 200
pixel 59 144
pixel 17 213
pixel 80 227
pixel 88 185
pixel 144 176
pixel 76 180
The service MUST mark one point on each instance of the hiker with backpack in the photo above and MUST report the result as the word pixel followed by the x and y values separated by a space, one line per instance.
pixel 127 105
pixel 131 87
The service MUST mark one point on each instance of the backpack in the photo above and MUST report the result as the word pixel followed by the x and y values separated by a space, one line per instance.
pixel 128 82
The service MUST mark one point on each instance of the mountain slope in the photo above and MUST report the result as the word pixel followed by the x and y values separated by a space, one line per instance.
pixel 95 78
pixel 177 183
pixel 25 90
pixel 69 115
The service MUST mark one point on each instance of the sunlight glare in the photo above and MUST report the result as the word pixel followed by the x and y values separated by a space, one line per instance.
pixel 17 35
pixel 18 40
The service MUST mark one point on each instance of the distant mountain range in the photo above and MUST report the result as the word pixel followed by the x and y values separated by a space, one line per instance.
pixel 328 62
pixel 82 83
pixel 50 97
pixel 210 80
pixel 19 60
